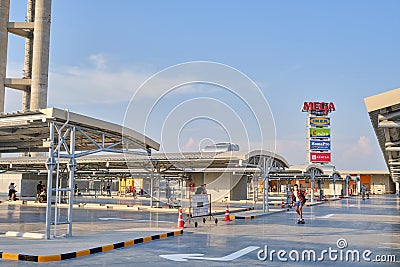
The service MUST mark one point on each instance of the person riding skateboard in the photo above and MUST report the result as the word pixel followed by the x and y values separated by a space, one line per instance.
pixel 298 200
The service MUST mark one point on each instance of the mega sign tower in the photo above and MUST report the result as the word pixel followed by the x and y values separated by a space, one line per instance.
pixel 318 131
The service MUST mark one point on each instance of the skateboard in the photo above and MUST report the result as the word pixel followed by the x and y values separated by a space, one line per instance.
pixel 301 221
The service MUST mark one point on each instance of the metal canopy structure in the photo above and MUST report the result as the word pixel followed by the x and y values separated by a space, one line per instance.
pixel 66 135
pixel 166 163
pixel 155 166
pixel 313 172
pixel 384 112
pixel 25 132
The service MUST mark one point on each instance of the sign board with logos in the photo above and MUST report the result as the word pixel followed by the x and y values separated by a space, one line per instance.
pixel 320 121
pixel 320 132
pixel 320 145
pixel 321 157
pixel 318 108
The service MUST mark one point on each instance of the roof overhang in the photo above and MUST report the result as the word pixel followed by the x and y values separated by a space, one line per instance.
pixel 26 131
pixel 384 112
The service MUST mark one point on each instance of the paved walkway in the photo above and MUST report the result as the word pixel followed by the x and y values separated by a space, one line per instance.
pixel 362 225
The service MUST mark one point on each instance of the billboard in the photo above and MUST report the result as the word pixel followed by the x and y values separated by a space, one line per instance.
pixel 320 145
pixel 318 108
pixel 322 157
pixel 320 121
pixel 320 132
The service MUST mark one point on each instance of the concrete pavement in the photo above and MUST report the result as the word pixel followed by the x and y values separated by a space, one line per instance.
pixel 364 225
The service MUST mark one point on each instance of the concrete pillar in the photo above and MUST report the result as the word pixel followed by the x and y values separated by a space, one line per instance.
pixel 40 62
pixel 312 185
pixel 4 18
pixel 30 17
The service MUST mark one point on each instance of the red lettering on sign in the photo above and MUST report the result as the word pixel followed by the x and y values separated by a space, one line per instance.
pixel 318 106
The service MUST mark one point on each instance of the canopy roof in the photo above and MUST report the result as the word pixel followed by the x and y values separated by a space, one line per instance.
pixel 26 131
pixel 384 112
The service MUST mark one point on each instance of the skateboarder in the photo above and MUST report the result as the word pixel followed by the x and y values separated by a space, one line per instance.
pixel 298 200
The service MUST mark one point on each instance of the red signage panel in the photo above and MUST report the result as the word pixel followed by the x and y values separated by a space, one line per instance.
pixel 318 107
pixel 320 157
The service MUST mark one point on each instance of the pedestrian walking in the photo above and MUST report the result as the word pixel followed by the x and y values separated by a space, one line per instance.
pixel 12 192
pixel 204 189
pixel 39 188
pixel 108 189
pixel 363 189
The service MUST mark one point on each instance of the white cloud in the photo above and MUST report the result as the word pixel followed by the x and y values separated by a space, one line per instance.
pixel 75 85
pixel 190 145
pixel 359 150
pixel 364 145
pixel 99 61
pixel 356 155
pixel 79 85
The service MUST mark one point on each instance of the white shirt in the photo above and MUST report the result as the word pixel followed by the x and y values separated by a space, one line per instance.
pixel 297 197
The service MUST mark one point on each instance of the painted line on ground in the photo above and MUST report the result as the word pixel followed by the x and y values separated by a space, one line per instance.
pixel 86 252
pixel 252 217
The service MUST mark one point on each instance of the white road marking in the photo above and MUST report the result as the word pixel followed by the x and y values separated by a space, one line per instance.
pixel 155 221
pixel 230 257
pixel 115 219
pixel 398 244
pixel 318 217
pixel 127 219
pixel 325 216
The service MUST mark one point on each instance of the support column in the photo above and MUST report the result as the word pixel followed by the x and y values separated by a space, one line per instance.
pixel 265 178
pixel 30 17
pixel 40 61
pixel 151 188
pixel 71 168
pixel 312 185
pixel 4 18
pixel 334 185
pixel 50 165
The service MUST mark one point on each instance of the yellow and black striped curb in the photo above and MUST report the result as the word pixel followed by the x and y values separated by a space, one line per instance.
pixel 86 252
pixel 234 217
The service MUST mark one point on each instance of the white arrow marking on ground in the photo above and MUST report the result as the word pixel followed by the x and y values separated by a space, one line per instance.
pixel 230 257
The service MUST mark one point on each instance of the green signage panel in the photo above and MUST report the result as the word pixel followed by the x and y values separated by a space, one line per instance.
pixel 320 132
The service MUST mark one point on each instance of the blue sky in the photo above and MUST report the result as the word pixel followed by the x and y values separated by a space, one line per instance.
pixel 295 51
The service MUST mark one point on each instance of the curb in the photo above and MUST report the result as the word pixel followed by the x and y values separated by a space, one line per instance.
pixel 233 217
pixel 233 211
pixel 252 217
pixel 86 252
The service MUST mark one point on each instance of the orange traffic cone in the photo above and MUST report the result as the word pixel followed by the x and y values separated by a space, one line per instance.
pixel 283 204
pixel 227 217
pixel 181 223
